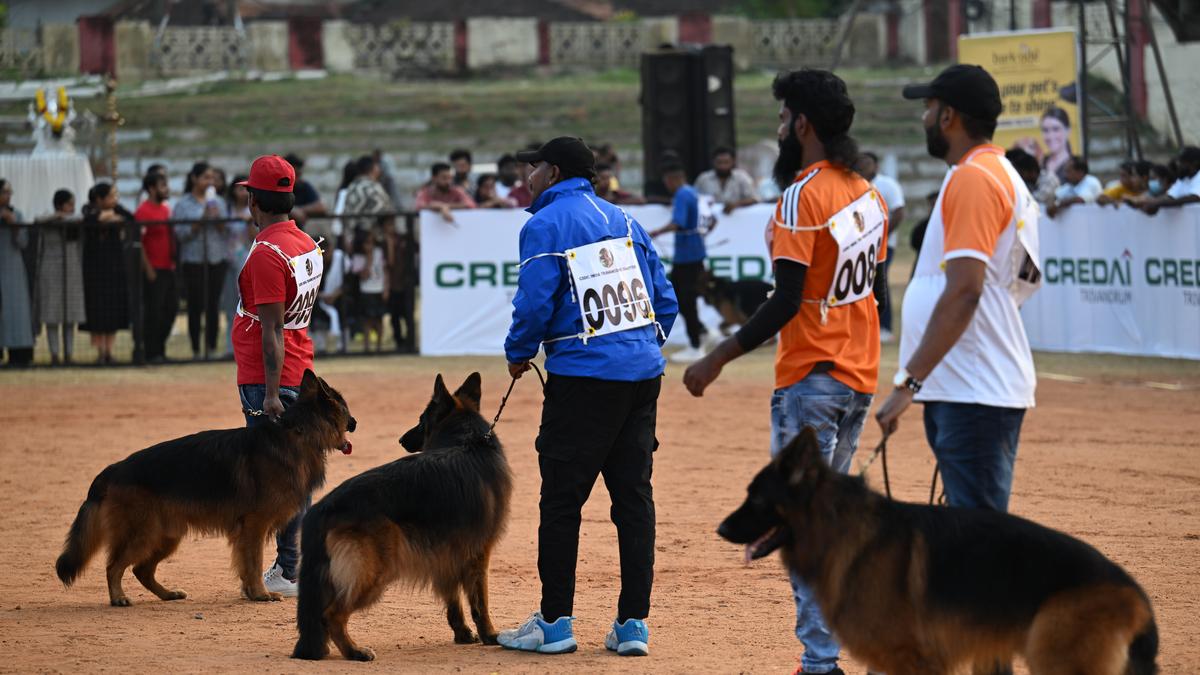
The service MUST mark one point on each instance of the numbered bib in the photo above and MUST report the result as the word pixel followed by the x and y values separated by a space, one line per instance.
pixel 858 230
pixel 609 287
pixel 306 270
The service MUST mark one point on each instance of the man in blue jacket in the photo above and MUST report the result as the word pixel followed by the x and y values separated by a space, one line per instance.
pixel 593 293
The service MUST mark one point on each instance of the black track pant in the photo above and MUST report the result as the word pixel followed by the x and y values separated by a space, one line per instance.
pixel 594 427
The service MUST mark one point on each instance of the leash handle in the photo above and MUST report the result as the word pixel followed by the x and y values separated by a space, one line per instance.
pixel 511 384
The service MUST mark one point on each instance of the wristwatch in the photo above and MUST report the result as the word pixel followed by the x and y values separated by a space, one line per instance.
pixel 903 380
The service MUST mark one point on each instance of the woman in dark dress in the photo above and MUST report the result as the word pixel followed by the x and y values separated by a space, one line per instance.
pixel 105 294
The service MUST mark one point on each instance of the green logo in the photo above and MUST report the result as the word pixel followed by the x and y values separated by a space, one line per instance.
pixel 478 273
pixel 1090 271
pixel 1173 272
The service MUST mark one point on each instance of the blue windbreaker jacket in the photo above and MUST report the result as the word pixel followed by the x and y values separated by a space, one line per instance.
pixel 567 215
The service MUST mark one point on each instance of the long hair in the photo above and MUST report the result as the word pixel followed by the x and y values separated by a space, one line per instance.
pixel 823 99
pixel 198 170
pixel 1057 113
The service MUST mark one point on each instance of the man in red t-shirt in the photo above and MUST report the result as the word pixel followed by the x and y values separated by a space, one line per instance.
pixel 277 288
pixel 158 264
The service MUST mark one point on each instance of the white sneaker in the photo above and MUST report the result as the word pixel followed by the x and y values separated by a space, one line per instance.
pixel 277 583
pixel 687 355
pixel 710 341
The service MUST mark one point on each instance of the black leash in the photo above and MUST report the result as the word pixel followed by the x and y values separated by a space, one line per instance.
pixel 941 501
pixel 504 401
pixel 880 451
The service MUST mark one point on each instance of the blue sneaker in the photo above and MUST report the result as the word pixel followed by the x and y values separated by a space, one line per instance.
pixel 629 638
pixel 535 635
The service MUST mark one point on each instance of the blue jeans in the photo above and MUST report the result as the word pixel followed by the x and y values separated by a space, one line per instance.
pixel 976 447
pixel 287 552
pixel 837 412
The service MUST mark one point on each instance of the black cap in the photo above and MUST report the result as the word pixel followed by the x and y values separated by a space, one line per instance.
pixel 568 153
pixel 969 89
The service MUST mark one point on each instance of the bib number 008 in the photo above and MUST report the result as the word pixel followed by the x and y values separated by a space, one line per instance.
pixel 618 304
pixel 857 275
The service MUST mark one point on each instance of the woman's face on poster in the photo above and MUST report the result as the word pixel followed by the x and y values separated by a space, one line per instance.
pixel 1054 135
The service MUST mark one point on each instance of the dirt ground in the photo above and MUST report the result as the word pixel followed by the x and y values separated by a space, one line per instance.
pixel 1108 459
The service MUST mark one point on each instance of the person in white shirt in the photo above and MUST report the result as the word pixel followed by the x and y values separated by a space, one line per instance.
pixel 1186 189
pixel 889 188
pixel 727 184
pixel 1081 187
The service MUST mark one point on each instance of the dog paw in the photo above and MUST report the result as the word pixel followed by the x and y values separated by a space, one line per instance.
pixel 121 602
pixel 361 654
pixel 467 638
pixel 492 639
pixel 266 596
pixel 175 595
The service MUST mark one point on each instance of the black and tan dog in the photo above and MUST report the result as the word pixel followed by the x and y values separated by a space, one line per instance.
pixel 243 483
pixel 735 301
pixel 912 589
pixel 430 519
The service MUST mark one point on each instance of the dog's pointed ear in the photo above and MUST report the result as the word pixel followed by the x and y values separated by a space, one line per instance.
pixel 310 384
pixel 470 393
pixel 440 392
pixel 800 456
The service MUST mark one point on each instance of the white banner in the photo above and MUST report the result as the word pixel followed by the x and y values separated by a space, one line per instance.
pixel 469 271
pixel 1117 280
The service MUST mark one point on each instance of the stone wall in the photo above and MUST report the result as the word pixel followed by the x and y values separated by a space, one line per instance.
pixel 19 51
pixel 497 43
pixel 394 48
pixel 430 48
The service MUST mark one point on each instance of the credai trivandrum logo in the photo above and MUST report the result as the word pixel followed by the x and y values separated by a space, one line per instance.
pixel 1101 281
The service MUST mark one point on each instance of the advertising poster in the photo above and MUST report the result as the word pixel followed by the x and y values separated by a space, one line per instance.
pixel 1036 71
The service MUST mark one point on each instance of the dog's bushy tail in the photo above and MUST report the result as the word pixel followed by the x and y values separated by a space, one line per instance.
pixel 85 535
pixel 316 589
pixel 1143 651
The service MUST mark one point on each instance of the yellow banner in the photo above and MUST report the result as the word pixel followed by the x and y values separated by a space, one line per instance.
pixel 1036 71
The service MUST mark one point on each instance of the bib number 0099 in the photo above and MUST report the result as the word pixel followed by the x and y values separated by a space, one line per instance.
pixel 857 275
pixel 618 304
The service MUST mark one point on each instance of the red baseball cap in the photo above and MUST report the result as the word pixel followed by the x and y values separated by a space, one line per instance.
pixel 271 173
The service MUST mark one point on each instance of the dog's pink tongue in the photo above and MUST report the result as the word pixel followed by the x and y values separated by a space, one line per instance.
pixel 347 448
pixel 749 553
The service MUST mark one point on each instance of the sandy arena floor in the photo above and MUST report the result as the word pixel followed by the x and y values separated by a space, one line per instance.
pixel 1109 460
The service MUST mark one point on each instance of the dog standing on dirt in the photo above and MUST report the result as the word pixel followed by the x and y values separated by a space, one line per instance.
pixel 735 301
pixel 921 590
pixel 243 483
pixel 430 518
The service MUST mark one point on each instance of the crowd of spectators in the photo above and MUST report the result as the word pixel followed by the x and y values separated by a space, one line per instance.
pixel 1140 184
pixel 71 271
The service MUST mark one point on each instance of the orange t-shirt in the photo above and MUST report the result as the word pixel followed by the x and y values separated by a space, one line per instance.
pixel 849 339
pixel 978 204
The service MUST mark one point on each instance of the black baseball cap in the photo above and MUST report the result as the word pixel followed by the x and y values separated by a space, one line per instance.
pixel 568 153
pixel 966 88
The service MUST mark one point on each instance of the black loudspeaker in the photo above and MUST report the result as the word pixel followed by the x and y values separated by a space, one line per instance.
pixel 687 110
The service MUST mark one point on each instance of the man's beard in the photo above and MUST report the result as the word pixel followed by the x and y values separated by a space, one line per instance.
pixel 724 174
pixel 791 158
pixel 935 142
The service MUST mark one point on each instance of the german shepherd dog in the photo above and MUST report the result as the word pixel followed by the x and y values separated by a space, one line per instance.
pixel 430 519
pixel 243 483
pixel 735 301
pixel 913 589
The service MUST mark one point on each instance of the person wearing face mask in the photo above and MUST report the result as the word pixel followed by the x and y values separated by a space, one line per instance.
pixel 828 244
pixel 593 294
pixel 963 349
pixel 1185 189
pixel 1161 178
pixel 726 183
